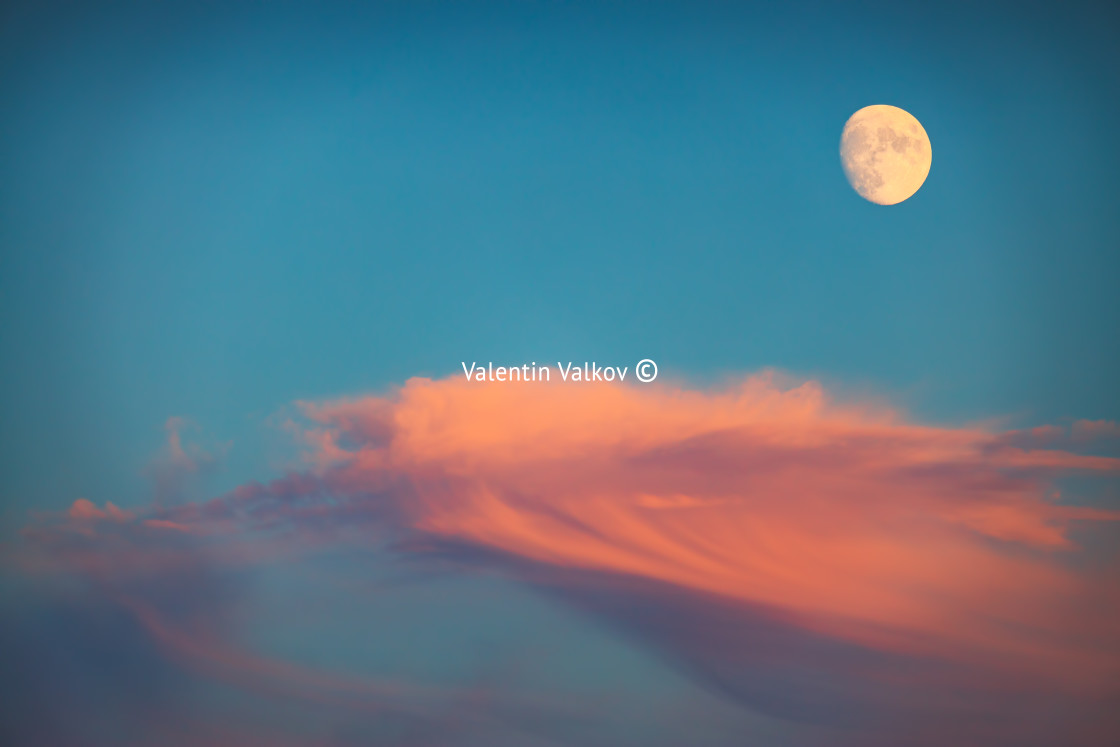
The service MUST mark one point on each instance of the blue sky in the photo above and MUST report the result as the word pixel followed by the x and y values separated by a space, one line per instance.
pixel 213 213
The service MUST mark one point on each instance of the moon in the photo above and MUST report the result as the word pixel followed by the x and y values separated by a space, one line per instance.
pixel 886 153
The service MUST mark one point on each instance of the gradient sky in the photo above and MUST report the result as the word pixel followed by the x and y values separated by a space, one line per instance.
pixel 211 214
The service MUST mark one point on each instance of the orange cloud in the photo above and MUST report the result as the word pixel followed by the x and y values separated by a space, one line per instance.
pixel 858 521
pixel 803 555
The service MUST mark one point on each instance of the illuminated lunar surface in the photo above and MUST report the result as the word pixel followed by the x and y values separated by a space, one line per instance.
pixel 886 153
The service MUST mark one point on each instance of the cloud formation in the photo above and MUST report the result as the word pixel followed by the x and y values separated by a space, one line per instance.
pixel 828 562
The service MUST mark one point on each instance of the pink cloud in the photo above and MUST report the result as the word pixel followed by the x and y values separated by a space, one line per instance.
pixel 864 524
pixel 1093 430
pixel 84 509
pixel 764 506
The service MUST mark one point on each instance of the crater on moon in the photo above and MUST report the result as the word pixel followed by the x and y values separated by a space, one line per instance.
pixel 886 153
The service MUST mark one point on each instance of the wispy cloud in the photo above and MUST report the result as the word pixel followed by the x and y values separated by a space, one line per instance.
pixel 179 465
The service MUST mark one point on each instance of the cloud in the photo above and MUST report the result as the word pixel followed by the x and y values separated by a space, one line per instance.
pixel 84 509
pixel 1082 432
pixel 827 562
pixel 847 521
pixel 1094 430
pixel 180 464
pixel 156 585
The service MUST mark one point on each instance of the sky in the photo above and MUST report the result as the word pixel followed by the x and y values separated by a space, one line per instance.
pixel 249 497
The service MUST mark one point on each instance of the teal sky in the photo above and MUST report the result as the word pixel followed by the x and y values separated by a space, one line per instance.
pixel 211 214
